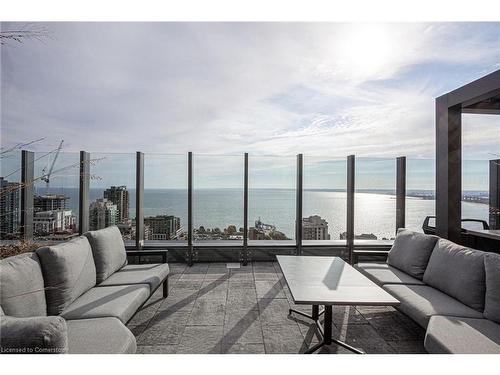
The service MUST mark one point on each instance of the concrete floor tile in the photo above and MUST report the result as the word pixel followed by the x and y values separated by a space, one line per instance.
pixel 160 349
pixel 238 348
pixel 201 340
pixel 275 312
pixel 265 276
pixel 155 335
pixel 207 312
pixel 283 339
pixel 269 289
pixel 242 327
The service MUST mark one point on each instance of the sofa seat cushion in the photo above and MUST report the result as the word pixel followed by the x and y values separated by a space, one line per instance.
pixel 382 273
pixel 453 335
pixel 420 302
pixel 411 252
pixel 459 272
pixel 33 335
pixel 68 271
pixel 108 301
pixel 109 251
pixel 100 336
pixel 22 292
pixel 151 274
pixel 492 299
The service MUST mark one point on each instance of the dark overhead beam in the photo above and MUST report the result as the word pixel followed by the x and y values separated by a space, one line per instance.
pixel 480 89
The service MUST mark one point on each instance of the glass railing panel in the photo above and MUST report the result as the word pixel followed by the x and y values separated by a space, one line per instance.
pixel 112 192
pixel 271 206
pixel 165 198
pixel 420 193
pixel 218 197
pixel 475 192
pixel 375 199
pixel 56 192
pixel 10 194
pixel 324 202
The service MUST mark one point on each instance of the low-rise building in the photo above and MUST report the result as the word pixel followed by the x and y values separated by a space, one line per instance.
pixel 55 221
pixel 314 228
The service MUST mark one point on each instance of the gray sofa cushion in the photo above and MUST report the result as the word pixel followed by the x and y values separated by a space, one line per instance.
pixel 119 301
pixel 459 272
pixel 411 252
pixel 492 299
pixel 109 251
pixel 452 335
pixel 41 334
pixel 420 302
pixel 152 274
pixel 68 270
pixel 382 273
pixel 86 337
pixel 22 291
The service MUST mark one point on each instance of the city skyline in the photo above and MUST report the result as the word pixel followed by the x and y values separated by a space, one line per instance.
pixel 215 171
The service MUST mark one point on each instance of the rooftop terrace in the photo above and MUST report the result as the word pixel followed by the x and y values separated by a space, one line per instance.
pixel 215 309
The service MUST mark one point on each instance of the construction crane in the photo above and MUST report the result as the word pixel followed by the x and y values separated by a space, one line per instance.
pixel 46 175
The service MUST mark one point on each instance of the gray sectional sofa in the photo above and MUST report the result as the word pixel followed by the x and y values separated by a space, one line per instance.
pixel 75 297
pixel 450 290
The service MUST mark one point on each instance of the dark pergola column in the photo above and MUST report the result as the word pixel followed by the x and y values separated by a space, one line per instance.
pixel 481 97
pixel 449 170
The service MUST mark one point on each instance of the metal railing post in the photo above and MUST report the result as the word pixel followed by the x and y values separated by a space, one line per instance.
pixel 245 210
pixel 351 170
pixel 298 204
pixel 400 192
pixel 190 210
pixel 494 217
pixel 139 200
pixel 27 193
pixel 83 194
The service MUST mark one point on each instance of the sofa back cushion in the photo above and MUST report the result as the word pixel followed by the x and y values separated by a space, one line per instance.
pixel 68 270
pixel 109 251
pixel 492 299
pixel 22 291
pixel 459 272
pixel 411 252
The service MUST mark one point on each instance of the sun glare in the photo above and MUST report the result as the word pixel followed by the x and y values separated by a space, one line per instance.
pixel 364 50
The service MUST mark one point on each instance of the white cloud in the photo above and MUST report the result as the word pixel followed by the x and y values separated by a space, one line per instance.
pixel 324 89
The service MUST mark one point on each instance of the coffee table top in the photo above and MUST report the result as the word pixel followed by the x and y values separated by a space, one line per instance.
pixel 315 280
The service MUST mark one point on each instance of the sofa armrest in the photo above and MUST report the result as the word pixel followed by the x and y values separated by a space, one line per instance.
pixel 40 334
pixel 139 253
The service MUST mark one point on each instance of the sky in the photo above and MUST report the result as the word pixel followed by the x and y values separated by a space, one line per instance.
pixel 321 89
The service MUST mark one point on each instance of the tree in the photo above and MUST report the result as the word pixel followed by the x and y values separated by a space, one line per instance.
pixel 27 31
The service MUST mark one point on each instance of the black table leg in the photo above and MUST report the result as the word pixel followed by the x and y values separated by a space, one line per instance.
pixel 326 332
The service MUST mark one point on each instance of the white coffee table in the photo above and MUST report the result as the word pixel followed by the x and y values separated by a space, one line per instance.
pixel 328 281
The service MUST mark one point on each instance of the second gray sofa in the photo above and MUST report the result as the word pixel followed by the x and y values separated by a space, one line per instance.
pixel 450 290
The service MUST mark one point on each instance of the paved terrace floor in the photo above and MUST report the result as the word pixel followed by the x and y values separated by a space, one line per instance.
pixel 214 309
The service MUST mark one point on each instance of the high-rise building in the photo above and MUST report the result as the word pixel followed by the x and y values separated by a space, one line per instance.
pixel 314 228
pixel 162 227
pixel 102 214
pixel 119 196
pixel 52 202
pixel 9 208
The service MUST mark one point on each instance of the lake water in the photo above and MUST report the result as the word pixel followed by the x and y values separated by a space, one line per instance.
pixel 374 213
